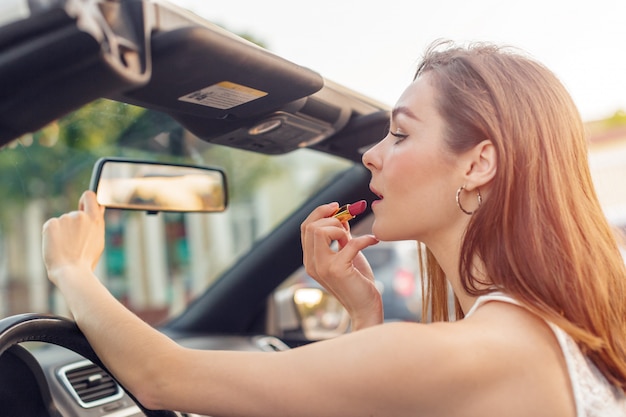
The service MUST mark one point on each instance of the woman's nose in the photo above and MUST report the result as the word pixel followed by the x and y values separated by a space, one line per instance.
pixel 370 158
pixel 367 158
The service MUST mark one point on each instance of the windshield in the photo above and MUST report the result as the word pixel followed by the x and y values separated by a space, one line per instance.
pixel 154 264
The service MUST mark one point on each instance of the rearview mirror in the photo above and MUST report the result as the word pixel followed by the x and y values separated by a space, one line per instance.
pixel 154 186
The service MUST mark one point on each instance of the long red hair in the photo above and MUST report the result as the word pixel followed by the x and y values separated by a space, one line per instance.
pixel 541 234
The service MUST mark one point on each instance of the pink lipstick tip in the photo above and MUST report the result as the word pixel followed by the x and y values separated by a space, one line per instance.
pixel 357 208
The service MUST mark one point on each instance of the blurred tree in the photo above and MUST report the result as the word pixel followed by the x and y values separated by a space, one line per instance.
pixel 618 119
pixel 40 164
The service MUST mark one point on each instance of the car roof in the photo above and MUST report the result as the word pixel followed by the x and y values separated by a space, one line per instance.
pixel 226 90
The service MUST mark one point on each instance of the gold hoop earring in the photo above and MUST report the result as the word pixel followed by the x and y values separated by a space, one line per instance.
pixel 458 200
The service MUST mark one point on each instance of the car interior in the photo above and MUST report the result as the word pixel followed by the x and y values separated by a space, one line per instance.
pixel 227 92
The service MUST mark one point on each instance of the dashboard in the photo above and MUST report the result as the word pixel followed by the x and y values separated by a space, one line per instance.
pixel 80 388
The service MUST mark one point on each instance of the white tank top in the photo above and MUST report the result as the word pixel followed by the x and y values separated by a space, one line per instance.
pixel 593 394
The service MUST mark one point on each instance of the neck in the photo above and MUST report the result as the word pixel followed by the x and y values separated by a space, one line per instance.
pixel 448 257
pixel 445 246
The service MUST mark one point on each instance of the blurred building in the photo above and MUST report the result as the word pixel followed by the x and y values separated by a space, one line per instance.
pixel 607 160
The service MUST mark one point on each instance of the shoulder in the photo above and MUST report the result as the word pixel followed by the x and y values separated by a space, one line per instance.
pixel 494 327
pixel 503 356
pixel 515 340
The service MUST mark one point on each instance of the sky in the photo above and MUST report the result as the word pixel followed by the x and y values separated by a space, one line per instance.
pixel 373 47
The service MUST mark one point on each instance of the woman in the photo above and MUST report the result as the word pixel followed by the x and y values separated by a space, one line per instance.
pixel 485 164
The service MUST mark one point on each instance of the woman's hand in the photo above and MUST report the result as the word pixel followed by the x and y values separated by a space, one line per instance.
pixel 345 272
pixel 75 239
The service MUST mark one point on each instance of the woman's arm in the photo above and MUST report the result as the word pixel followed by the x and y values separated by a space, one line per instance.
pixel 72 245
pixel 350 375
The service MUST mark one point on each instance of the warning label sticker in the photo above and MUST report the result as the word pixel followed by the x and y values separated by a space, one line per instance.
pixel 223 95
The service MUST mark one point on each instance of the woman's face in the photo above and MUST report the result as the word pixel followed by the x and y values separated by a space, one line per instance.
pixel 413 173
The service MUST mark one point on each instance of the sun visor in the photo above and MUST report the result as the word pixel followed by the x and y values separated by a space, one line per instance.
pixel 202 72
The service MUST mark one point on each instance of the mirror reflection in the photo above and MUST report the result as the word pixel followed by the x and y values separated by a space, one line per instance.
pixel 155 187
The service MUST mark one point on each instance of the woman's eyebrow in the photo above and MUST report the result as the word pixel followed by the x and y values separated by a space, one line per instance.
pixel 403 110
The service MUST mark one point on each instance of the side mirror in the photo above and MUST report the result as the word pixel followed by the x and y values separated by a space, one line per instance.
pixel 309 313
pixel 322 315
pixel 154 186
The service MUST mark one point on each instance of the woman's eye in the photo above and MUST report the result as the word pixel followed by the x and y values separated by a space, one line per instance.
pixel 399 136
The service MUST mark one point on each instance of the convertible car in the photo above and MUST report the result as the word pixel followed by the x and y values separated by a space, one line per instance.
pixel 211 151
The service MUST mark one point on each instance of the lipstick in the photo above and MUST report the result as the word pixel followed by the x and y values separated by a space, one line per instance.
pixel 350 211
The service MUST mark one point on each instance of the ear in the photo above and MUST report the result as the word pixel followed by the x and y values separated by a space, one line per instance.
pixel 481 165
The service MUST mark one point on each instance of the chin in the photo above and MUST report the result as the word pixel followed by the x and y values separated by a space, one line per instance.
pixel 383 233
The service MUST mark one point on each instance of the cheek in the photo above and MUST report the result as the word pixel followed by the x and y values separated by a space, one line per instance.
pixel 414 172
pixel 421 183
pixel 407 178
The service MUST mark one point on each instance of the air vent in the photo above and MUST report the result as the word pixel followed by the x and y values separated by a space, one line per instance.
pixel 89 384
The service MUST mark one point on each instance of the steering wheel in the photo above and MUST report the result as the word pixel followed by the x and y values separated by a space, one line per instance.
pixel 58 331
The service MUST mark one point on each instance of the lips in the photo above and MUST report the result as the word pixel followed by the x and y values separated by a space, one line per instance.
pixel 375 192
